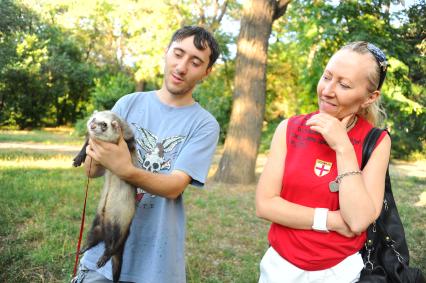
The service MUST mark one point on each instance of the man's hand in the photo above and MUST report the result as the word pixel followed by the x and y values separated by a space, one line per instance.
pixel 114 157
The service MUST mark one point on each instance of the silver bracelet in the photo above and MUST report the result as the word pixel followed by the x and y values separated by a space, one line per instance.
pixel 334 185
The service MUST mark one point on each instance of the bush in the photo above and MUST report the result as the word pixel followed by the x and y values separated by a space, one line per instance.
pixel 109 89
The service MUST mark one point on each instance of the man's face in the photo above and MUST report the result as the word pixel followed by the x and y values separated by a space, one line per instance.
pixel 185 66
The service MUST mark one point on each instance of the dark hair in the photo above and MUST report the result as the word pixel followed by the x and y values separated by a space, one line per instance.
pixel 202 40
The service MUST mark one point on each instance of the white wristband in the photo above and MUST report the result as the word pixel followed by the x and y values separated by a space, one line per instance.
pixel 320 220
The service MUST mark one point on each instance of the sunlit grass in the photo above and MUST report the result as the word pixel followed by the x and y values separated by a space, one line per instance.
pixel 34 164
pixel 63 136
pixel 27 159
pixel 57 162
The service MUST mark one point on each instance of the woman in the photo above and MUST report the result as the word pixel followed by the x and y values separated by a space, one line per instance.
pixel 312 190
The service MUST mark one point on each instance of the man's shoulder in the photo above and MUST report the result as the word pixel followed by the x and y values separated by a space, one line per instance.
pixel 134 96
pixel 207 117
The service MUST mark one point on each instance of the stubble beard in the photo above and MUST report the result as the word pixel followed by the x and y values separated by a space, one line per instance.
pixel 177 91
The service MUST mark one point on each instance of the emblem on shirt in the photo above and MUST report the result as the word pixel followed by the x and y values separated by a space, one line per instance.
pixel 322 168
pixel 154 160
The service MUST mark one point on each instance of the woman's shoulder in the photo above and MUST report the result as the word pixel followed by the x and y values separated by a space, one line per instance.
pixel 300 119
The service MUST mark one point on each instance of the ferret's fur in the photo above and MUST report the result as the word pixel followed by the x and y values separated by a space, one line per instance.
pixel 117 205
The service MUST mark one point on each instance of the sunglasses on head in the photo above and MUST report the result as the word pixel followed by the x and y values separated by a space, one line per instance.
pixel 381 60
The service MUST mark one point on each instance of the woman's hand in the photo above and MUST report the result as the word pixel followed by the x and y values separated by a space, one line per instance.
pixel 333 130
pixel 336 223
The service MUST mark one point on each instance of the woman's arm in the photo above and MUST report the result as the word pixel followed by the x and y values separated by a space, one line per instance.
pixel 360 196
pixel 270 205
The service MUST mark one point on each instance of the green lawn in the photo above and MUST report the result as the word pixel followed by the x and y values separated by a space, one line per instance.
pixel 41 202
pixel 63 136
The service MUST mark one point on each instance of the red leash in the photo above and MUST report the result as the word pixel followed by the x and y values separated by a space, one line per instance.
pixel 82 223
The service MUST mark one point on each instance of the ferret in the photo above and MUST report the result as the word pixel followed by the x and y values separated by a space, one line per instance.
pixel 117 205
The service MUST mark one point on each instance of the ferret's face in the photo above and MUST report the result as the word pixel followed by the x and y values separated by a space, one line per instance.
pixel 103 128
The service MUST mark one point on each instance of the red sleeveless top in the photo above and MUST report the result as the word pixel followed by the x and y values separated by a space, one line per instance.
pixel 310 166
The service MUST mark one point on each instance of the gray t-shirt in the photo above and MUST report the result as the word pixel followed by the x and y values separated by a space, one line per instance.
pixel 168 138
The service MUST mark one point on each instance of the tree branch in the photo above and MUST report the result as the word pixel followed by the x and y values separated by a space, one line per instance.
pixel 222 11
pixel 280 8
pixel 215 23
pixel 202 19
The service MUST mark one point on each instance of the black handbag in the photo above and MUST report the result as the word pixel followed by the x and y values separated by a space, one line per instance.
pixel 385 253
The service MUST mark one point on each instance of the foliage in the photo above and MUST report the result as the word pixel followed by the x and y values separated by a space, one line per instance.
pixel 109 89
pixel 215 95
pixel 59 60
pixel 315 30
pixel 43 81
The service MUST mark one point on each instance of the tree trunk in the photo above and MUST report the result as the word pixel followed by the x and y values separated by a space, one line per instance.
pixel 238 161
pixel 140 85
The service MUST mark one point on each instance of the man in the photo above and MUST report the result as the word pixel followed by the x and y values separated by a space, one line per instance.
pixel 176 140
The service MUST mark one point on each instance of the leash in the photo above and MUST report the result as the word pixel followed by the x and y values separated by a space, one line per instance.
pixel 77 254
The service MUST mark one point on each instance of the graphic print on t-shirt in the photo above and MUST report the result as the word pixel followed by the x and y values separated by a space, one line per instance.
pixel 153 159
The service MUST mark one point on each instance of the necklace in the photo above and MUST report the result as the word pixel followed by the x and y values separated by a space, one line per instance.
pixel 352 123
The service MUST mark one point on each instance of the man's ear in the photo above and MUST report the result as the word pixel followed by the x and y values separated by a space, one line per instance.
pixel 372 97
pixel 208 71
pixel 205 75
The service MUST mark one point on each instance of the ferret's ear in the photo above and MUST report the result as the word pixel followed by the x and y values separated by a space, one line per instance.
pixel 116 125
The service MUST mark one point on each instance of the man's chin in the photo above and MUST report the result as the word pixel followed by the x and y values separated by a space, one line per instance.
pixel 178 91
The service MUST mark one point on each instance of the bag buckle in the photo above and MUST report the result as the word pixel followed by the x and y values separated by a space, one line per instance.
pixel 368 265
pixel 390 243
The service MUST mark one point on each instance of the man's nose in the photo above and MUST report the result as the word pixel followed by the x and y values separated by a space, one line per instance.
pixel 181 67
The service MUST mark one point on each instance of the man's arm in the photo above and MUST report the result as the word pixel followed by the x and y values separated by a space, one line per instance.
pixel 117 159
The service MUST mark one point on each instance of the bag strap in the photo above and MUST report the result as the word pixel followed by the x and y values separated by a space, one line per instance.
pixel 369 144
pixel 389 203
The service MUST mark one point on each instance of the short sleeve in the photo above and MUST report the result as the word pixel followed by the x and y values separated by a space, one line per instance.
pixel 197 154
pixel 117 108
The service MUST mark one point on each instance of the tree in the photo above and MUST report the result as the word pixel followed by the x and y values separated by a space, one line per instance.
pixel 238 161
pixel 43 80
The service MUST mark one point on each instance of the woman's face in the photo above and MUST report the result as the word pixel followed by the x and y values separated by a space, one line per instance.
pixel 342 89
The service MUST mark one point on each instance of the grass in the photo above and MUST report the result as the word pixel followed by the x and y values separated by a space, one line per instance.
pixel 41 198
pixel 63 136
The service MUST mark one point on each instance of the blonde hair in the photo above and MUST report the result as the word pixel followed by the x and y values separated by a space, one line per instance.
pixel 373 113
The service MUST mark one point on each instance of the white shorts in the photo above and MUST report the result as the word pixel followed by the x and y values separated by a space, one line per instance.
pixel 275 269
